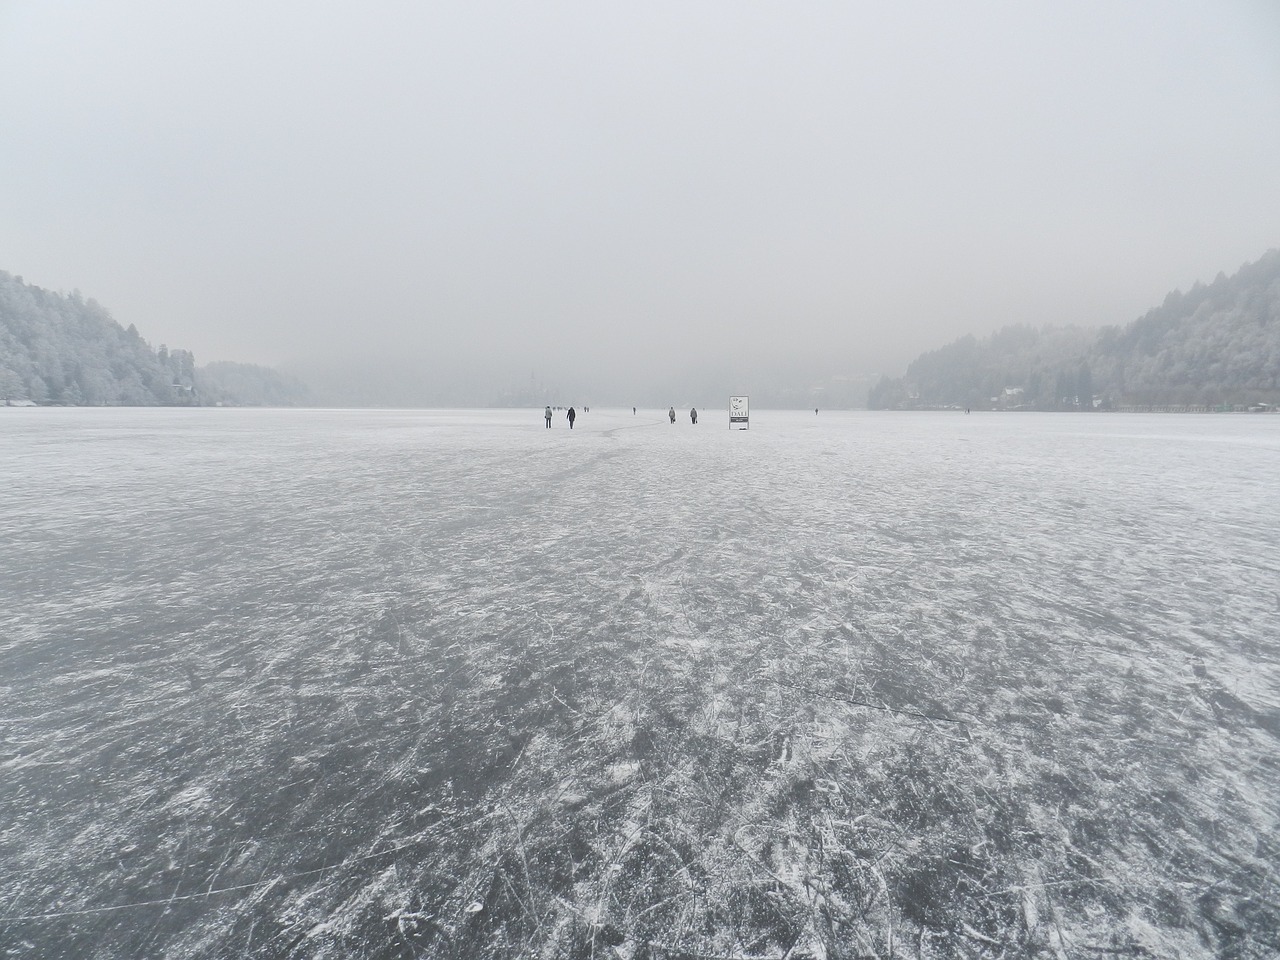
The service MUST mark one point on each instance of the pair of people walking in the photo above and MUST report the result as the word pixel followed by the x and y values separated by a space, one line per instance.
pixel 571 416
pixel 693 414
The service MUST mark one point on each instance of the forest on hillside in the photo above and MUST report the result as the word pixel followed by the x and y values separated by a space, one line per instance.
pixel 1218 345
pixel 63 349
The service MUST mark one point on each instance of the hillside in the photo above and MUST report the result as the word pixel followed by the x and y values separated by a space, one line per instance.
pixel 249 385
pixel 63 349
pixel 1216 345
pixel 68 350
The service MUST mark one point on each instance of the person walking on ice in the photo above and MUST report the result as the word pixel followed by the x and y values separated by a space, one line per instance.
pixel 572 415
pixel 548 416
pixel 693 415
pixel 672 414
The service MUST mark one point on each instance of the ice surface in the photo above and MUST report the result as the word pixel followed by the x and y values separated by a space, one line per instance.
pixel 401 683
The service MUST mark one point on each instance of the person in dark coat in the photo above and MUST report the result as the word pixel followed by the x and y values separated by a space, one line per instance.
pixel 572 415
pixel 672 414
pixel 693 415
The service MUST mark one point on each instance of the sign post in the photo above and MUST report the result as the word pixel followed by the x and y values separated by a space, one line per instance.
pixel 739 413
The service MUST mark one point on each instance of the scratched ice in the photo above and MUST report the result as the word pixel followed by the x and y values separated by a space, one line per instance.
pixel 449 684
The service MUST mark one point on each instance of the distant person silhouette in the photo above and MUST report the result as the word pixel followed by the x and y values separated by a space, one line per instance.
pixel 572 415
pixel 672 414
pixel 815 411
pixel 548 416
pixel 633 411
pixel 693 415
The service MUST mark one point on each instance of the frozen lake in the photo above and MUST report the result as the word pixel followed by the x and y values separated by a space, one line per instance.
pixel 287 683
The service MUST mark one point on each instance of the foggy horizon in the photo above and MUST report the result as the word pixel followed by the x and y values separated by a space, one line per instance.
pixel 615 196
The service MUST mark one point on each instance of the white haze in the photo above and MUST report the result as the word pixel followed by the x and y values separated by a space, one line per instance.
pixel 615 192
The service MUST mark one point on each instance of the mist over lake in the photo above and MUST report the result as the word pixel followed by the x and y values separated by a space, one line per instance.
pixel 320 683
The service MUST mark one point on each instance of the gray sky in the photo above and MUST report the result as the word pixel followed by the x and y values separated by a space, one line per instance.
pixel 624 187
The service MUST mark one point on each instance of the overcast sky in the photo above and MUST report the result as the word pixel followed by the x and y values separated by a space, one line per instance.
pixel 628 186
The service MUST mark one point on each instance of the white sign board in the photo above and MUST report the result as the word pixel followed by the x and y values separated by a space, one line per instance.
pixel 739 416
